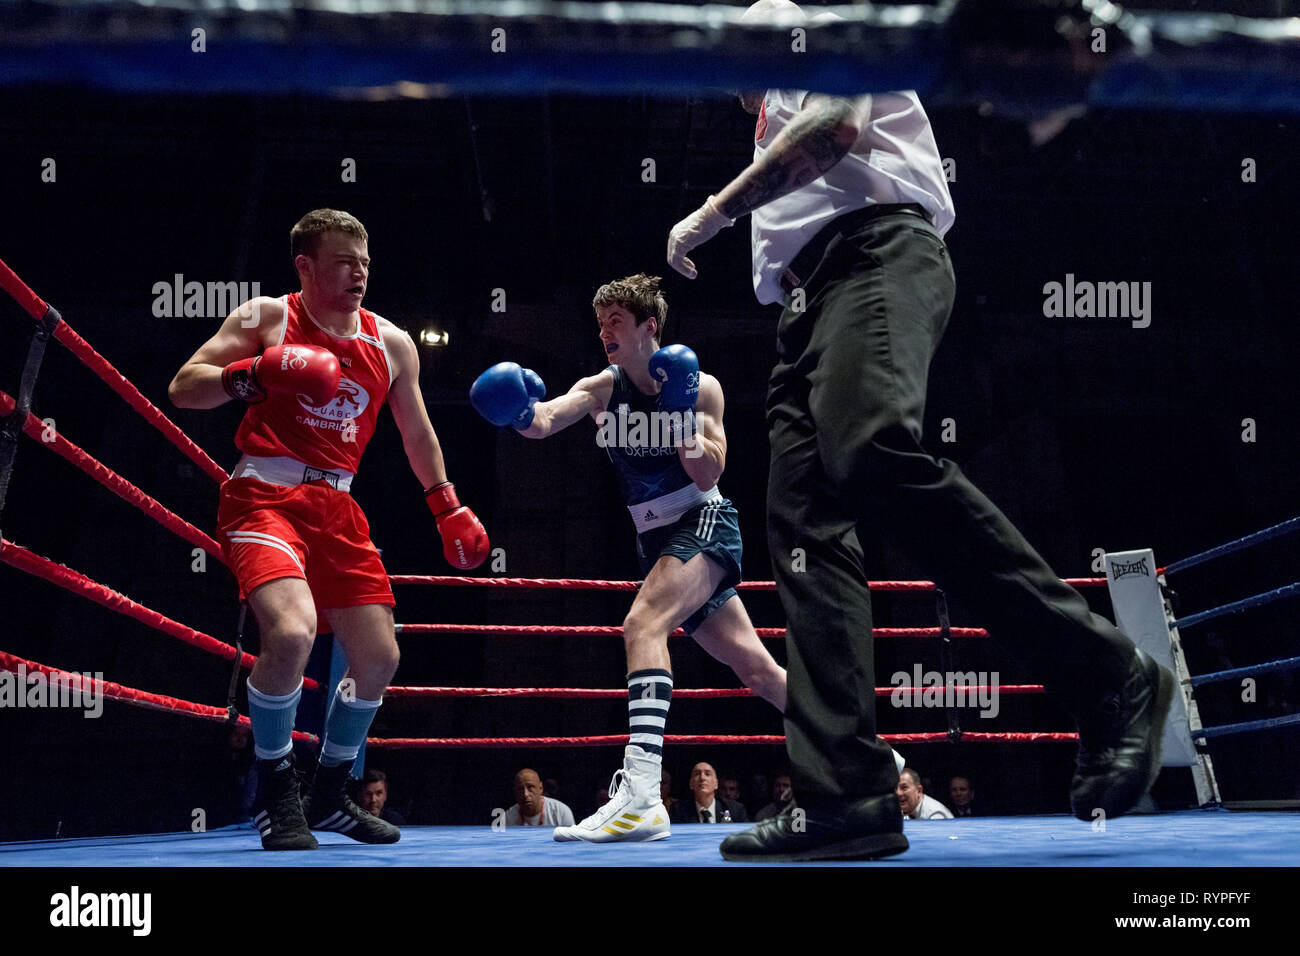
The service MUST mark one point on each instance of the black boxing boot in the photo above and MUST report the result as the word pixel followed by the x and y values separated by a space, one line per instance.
pixel 279 817
pixel 1119 742
pixel 327 806
pixel 823 828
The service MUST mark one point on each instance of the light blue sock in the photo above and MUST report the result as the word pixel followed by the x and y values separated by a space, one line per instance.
pixel 345 728
pixel 272 719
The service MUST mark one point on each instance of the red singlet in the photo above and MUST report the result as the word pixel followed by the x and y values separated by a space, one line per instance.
pixel 333 435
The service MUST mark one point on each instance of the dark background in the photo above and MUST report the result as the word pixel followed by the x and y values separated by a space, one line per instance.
pixel 1089 433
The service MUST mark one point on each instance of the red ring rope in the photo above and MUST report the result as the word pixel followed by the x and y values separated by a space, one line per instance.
pixel 76 582
pixel 131 395
pixel 140 698
pixel 620 693
pixel 34 428
pixel 130 695
pixel 32 303
pixel 599 585
pixel 36 307
pixel 610 630
pixel 619 740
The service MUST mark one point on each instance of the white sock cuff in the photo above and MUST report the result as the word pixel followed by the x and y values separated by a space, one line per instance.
pixel 261 754
pixel 358 703
pixel 275 703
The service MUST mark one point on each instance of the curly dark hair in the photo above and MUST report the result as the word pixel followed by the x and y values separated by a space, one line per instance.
pixel 640 295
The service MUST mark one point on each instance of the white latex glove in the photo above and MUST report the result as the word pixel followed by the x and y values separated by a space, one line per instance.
pixel 695 230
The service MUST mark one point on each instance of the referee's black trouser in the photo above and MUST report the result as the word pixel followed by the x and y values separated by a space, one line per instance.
pixel 844 410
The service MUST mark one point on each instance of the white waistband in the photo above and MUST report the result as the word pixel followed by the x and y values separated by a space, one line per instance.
pixel 289 472
pixel 666 509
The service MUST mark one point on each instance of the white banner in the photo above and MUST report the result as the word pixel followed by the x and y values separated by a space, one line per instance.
pixel 1140 613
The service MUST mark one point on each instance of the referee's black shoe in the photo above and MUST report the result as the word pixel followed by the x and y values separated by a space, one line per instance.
pixel 1119 742
pixel 327 806
pixel 823 829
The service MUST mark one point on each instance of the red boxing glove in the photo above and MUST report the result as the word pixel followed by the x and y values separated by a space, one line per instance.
pixel 464 540
pixel 296 369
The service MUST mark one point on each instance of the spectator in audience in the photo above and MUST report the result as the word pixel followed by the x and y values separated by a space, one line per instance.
pixel 916 805
pixel 961 795
pixel 782 797
pixel 666 791
pixel 760 791
pixel 531 808
pixel 373 797
pixel 708 806
pixel 729 787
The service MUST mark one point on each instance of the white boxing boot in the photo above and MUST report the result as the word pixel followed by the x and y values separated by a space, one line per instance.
pixel 635 813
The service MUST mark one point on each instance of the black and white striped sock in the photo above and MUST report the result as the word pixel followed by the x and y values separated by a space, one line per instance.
pixel 649 693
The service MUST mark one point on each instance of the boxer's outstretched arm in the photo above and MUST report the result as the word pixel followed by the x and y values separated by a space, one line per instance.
pixel 818 138
pixel 589 396
pixel 419 440
pixel 243 334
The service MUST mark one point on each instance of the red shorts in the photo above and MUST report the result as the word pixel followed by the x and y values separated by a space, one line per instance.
pixel 309 531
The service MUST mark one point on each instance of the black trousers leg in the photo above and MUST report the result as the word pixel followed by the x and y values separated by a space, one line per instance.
pixel 845 407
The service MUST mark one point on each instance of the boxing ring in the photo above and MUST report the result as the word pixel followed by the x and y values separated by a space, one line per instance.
pixel 1021 59
pixel 1206 837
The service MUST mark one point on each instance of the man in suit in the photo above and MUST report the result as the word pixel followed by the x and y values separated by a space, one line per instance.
pixel 782 798
pixel 708 806
pixel 961 795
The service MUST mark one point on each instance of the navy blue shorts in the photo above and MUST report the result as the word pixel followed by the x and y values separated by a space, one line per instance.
pixel 713 530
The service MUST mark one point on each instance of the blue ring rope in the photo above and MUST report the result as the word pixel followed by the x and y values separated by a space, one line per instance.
pixel 1286 664
pixel 1291 590
pixel 1223 731
pixel 1285 527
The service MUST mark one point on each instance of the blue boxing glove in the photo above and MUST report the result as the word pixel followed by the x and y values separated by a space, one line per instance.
pixel 505 394
pixel 677 370
pixel 536 387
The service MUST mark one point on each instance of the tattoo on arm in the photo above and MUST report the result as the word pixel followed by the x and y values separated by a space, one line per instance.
pixel 818 138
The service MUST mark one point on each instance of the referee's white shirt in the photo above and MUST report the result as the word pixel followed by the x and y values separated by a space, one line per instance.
pixel 895 160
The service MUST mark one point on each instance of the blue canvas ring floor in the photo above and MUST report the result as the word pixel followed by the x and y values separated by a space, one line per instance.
pixel 1192 838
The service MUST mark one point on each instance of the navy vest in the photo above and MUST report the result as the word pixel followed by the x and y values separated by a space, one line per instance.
pixel 646 471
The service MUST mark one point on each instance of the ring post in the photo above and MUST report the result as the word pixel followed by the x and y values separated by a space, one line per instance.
pixel 13 424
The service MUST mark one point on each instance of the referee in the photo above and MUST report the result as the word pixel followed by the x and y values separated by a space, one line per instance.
pixel 849 207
